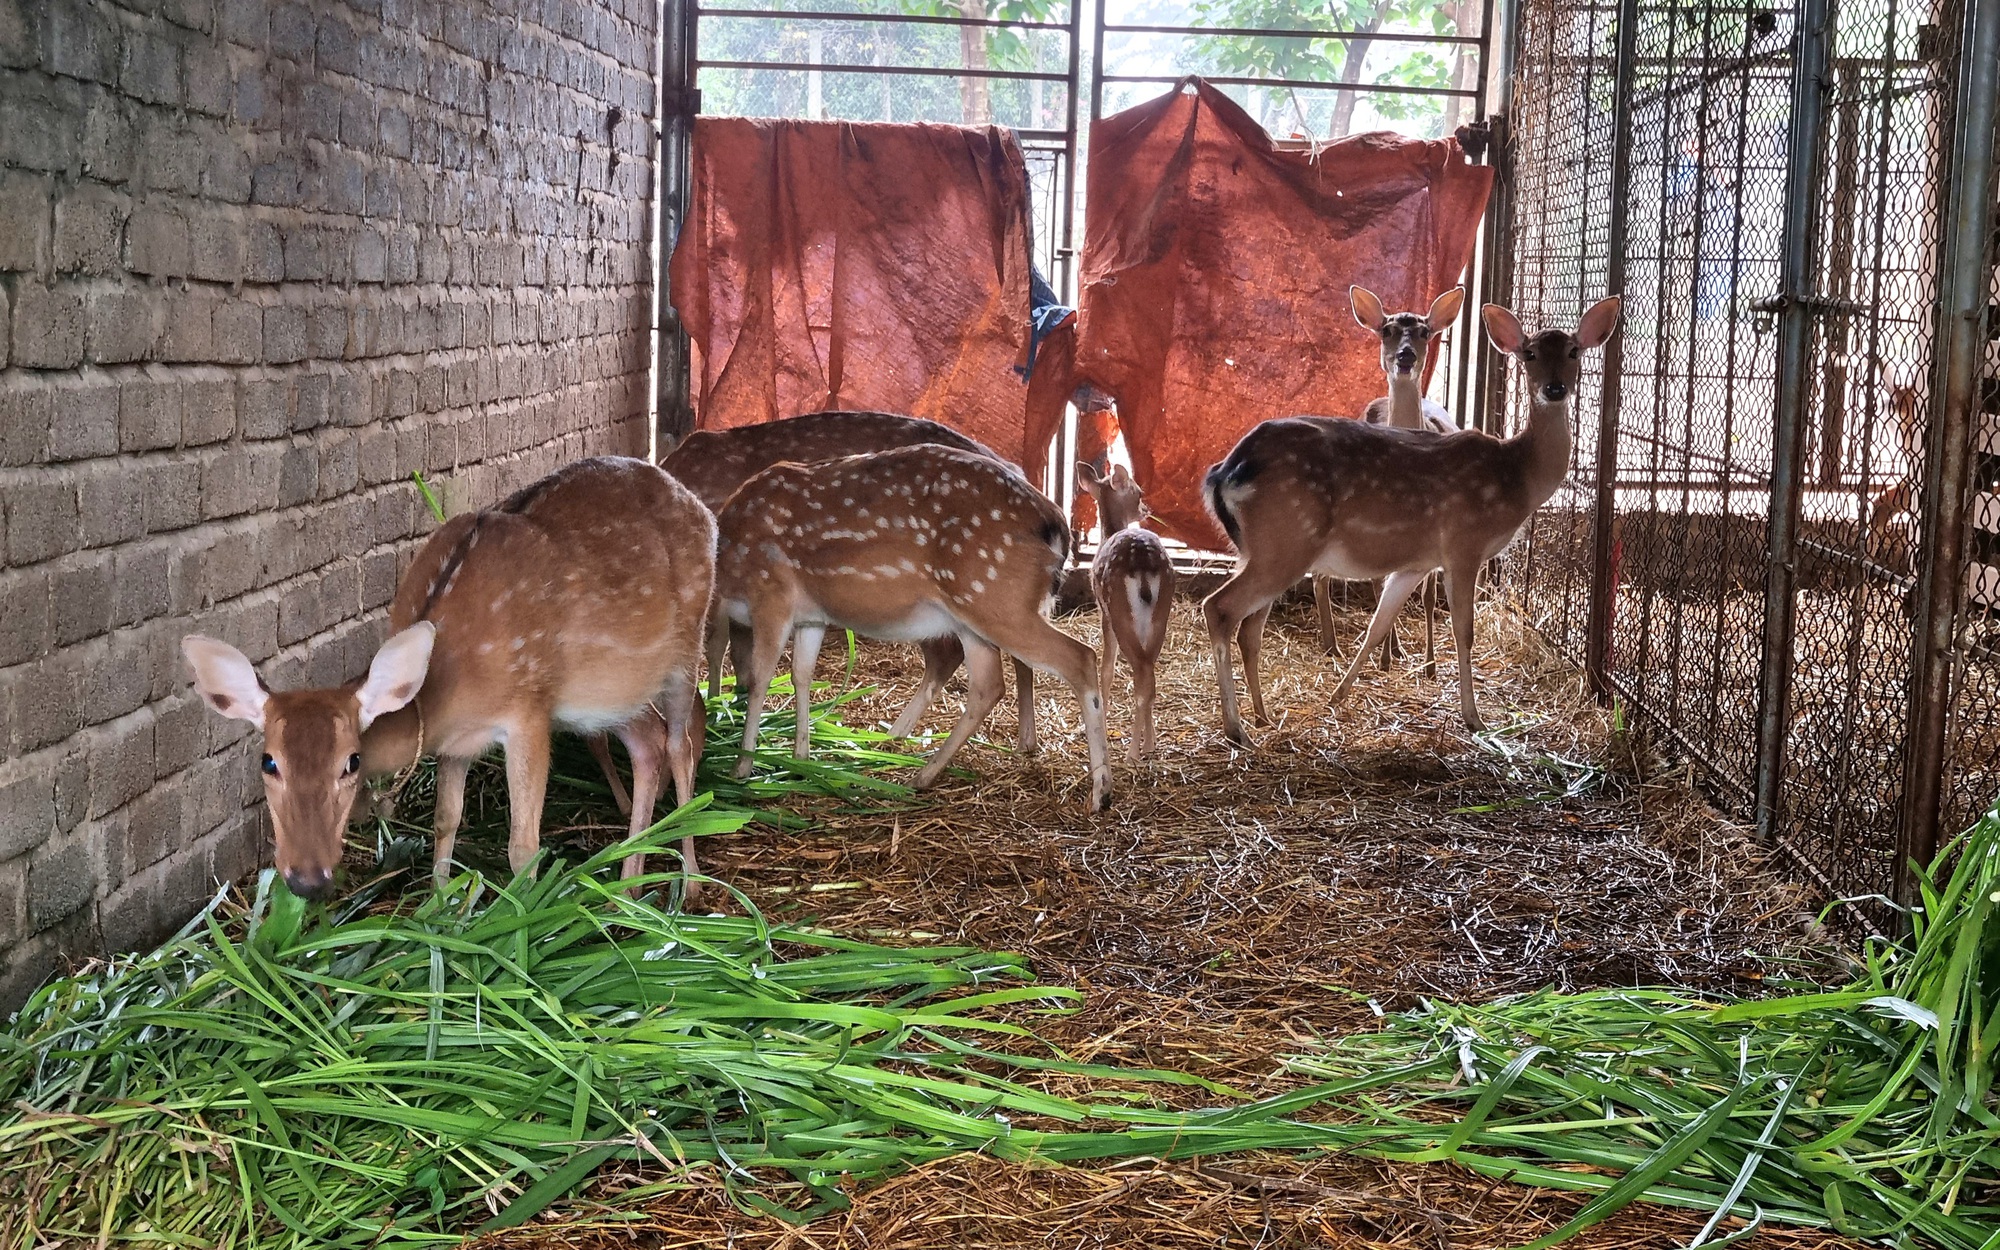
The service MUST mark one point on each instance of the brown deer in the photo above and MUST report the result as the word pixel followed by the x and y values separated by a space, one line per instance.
pixel 578 602
pixel 916 543
pixel 1901 494
pixel 1405 339
pixel 1329 495
pixel 1133 581
pixel 714 463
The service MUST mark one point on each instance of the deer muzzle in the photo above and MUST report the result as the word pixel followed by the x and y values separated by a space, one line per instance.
pixel 1554 391
pixel 310 883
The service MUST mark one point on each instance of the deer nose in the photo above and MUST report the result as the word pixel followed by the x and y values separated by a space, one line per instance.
pixel 310 883
pixel 1406 356
pixel 1555 390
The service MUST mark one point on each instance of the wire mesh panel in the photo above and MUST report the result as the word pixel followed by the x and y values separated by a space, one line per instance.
pixel 1730 494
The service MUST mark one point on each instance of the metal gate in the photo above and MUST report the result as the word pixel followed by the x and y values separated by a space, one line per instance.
pixel 1760 552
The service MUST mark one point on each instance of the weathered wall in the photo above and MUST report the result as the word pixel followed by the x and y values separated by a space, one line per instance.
pixel 259 261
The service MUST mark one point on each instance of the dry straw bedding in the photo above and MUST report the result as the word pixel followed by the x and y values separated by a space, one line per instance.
pixel 1235 905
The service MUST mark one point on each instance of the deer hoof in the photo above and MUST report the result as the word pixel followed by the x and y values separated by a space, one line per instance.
pixel 1100 792
pixel 745 765
pixel 1240 736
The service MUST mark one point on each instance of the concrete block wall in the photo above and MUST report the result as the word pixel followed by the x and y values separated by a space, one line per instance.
pixel 260 260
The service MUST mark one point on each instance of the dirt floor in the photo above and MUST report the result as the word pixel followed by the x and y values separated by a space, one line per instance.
pixel 1235 904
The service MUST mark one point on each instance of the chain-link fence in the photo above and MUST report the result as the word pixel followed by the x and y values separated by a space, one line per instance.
pixel 1759 552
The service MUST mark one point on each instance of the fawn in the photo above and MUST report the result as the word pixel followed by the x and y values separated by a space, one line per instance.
pixel 1405 340
pixel 1329 495
pixel 714 463
pixel 577 602
pixel 916 543
pixel 1133 581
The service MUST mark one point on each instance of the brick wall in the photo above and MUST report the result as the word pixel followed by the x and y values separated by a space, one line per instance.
pixel 259 261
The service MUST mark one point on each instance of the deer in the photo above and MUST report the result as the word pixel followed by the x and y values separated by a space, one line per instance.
pixel 1405 339
pixel 714 463
pixel 578 602
pixel 912 544
pixel 1901 494
pixel 1338 496
pixel 1133 582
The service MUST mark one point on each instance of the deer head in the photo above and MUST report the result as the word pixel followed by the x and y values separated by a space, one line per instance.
pixel 1120 502
pixel 1405 336
pixel 1552 359
pixel 313 753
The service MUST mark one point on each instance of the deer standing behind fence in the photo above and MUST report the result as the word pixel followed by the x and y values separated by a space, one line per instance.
pixel 714 463
pixel 578 603
pixel 1405 339
pixel 1901 496
pixel 917 543
pixel 1133 582
pixel 1328 495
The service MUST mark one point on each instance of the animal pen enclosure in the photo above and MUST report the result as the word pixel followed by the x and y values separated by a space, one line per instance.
pixel 1773 546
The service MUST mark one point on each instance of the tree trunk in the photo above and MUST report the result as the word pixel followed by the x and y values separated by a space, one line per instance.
pixel 975 95
pixel 1350 71
pixel 1463 66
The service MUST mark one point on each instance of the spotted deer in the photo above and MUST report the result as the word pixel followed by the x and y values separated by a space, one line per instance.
pixel 576 603
pixel 916 543
pixel 1327 495
pixel 1405 339
pixel 714 463
pixel 1133 582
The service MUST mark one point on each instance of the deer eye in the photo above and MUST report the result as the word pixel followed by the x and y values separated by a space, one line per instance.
pixel 1527 355
pixel 270 766
pixel 1572 353
pixel 353 765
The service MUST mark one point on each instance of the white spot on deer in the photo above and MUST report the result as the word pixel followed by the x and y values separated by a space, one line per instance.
pixel 881 522
pixel 978 586
pixel 992 572
pixel 996 514
pixel 907 565
pixel 518 643
pixel 485 648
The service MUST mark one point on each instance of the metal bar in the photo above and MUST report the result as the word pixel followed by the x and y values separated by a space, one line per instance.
pixel 673 408
pixel 1015 75
pixel 1498 278
pixel 1096 60
pixel 1069 285
pixel 1377 88
pixel 1285 32
pixel 1795 334
pixel 916 19
pixel 1961 342
pixel 1604 510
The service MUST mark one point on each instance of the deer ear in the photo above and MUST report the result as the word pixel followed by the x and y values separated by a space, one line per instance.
pixel 1367 308
pixel 397 672
pixel 1503 327
pixel 1444 309
pixel 225 679
pixel 1087 476
pixel 1598 323
pixel 1121 477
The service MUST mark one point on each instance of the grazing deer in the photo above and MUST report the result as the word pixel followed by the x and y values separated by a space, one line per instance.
pixel 1406 338
pixel 916 543
pixel 714 463
pixel 1313 494
pixel 1901 495
pixel 1133 581
pixel 577 602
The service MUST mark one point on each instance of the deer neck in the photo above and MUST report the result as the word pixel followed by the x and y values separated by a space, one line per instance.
pixel 1406 400
pixel 1115 517
pixel 392 742
pixel 1546 443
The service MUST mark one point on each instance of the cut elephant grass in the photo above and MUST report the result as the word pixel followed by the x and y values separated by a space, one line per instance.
pixel 273 1078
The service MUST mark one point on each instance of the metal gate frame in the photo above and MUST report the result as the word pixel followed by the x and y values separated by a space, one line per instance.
pixel 1961 325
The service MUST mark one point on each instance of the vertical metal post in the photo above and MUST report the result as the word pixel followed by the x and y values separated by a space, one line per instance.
pixel 678 103
pixel 1096 58
pixel 1068 288
pixel 1964 274
pixel 1797 303
pixel 1497 279
pixel 1604 510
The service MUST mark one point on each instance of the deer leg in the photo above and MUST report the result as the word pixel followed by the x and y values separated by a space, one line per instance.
pixel 645 739
pixel 1396 591
pixel 765 646
pixel 1430 627
pixel 720 640
pixel 1032 640
pixel 1248 591
pixel 600 750
pixel 1323 608
pixel 1391 649
pixel 1464 593
pixel 941 660
pixel 450 810
pixel 1107 656
pixel 739 653
pixel 1125 633
pixel 527 787
pixel 1024 705
pixel 805 658
pixel 686 720
pixel 983 688
pixel 1250 639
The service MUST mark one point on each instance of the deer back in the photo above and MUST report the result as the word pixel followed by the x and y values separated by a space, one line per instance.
pixel 573 599
pixel 892 543
pixel 714 463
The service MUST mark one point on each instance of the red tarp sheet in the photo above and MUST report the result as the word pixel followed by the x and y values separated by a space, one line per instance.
pixel 879 266
pixel 1215 276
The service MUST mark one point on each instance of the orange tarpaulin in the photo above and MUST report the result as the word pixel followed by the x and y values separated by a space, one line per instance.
pixel 1215 276
pixel 879 266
